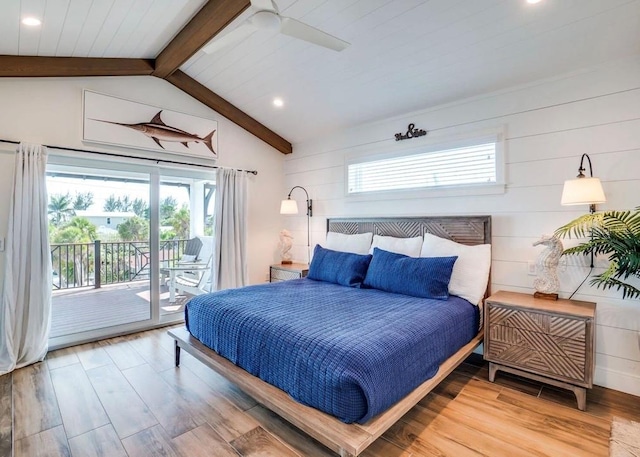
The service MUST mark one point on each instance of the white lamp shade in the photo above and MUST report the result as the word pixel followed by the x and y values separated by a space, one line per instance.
pixel 289 206
pixel 582 191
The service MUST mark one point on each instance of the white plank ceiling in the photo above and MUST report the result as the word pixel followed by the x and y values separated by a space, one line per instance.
pixel 405 55
pixel 93 28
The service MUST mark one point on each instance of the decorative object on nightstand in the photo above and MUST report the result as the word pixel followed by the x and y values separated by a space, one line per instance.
pixel 289 206
pixel 547 283
pixel 284 272
pixel 550 342
pixel 286 241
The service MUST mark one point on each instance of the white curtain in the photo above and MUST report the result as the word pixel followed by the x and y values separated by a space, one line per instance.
pixel 230 266
pixel 25 308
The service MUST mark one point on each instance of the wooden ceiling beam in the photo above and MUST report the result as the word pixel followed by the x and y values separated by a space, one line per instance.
pixel 214 16
pixel 35 66
pixel 204 95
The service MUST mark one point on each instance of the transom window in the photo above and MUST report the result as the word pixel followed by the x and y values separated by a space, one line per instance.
pixel 474 163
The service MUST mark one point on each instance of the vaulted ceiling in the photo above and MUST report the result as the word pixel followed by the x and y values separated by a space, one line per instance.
pixel 404 54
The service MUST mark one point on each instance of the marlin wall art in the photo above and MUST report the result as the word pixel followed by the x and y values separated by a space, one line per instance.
pixel 120 122
pixel 158 131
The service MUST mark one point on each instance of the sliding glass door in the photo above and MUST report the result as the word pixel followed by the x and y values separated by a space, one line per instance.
pixel 186 241
pixel 99 233
pixel 120 235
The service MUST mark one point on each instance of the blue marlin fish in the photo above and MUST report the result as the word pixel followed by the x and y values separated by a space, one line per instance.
pixel 158 131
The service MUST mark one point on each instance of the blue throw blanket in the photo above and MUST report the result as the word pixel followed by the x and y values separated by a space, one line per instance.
pixel 349 352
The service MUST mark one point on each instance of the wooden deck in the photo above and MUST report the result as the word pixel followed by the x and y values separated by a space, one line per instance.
pixel 81 310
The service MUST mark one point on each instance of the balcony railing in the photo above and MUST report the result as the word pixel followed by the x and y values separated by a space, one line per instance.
pixel 100 263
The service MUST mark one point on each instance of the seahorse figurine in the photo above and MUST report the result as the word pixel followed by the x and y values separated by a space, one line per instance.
pixel 547 265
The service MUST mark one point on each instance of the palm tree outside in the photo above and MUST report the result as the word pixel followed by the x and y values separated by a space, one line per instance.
pixel 60 208
pixel 82 201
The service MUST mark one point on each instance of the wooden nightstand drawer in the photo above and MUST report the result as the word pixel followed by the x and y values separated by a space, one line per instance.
pixel 550 341
pixel 283 275
pixel 544 343
pixel 542 353
pixel 285 272
pixel 561 326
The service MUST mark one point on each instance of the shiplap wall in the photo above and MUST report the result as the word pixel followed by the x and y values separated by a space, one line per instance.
pixel 548 126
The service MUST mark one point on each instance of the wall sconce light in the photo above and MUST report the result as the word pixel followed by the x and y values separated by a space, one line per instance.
pixel 583 190
pixel 289 206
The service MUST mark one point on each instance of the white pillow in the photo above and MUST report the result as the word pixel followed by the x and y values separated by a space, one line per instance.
pixel 406 246
pixel 471 270
pixel 357 244
pixel 188 258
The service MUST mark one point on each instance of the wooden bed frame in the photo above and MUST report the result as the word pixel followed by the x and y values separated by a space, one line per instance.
pixel 350 439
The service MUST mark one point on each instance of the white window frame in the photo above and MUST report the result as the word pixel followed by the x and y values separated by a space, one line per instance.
pixel 437 144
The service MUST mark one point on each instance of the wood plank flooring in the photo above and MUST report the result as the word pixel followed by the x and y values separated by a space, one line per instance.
pixel 80 310
pixel 6 397
pixel 124 397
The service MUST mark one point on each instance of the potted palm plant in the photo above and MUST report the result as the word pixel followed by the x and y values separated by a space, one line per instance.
pixel 612 233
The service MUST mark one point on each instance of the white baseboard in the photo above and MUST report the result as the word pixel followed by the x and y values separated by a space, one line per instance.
pixel 617 380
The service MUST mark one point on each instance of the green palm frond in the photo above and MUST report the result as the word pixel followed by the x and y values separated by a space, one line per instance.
pixel 622 221
pixel 584 248
pixel 611 221
pixel 580 227
pixel 628 291
pixel 612 233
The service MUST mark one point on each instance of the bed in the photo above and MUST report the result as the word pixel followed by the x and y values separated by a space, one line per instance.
pixel 293 329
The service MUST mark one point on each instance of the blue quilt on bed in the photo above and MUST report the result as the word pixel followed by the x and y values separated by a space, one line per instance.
pixel 349 352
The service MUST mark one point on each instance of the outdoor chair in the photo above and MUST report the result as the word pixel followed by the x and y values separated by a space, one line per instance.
pixel 191 276
pixel 191 250
pixel 190 286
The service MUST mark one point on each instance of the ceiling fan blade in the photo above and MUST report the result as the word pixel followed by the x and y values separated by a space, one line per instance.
pixel 302 31
pixel 264 5
pixel 235 36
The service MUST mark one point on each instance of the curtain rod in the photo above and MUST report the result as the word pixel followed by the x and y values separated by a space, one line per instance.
pixel 112 154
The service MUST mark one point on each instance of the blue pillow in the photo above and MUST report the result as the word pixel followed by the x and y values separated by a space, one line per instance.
pixel 425 277
pixel 342 268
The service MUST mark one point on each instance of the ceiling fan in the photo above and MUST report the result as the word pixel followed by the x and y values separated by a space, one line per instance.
pixel 267 17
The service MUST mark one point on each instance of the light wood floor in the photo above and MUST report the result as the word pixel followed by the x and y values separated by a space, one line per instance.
pixel 123 396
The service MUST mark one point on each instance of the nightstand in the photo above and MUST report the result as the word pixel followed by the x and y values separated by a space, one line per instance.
pixel 545 340
pixel 283 272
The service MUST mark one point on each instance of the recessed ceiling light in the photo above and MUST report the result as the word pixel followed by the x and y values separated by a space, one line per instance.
pixel 31 21
pixel 533 2
pixel 278 102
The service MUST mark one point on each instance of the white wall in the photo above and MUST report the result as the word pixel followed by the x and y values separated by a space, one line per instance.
pixel 49 111
pixel 548 125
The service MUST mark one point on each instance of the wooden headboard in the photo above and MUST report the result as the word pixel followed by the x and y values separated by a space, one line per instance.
pixel 461 229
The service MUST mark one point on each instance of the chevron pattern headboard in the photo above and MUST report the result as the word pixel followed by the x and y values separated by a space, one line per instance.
pixel 462 229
